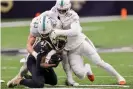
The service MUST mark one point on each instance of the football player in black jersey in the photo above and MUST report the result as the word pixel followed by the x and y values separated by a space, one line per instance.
pixel 49 55
pixel 43 55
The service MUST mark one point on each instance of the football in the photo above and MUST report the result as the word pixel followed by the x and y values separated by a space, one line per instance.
pixel 55 59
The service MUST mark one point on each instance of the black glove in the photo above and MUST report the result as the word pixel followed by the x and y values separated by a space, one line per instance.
pixel 55 59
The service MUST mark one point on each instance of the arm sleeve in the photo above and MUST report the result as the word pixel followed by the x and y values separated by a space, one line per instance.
pixel 75 30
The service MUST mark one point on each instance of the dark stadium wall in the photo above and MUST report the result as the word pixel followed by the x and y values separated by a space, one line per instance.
pixel 28 9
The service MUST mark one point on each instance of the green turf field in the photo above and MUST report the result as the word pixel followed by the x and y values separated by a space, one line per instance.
pixel 103 34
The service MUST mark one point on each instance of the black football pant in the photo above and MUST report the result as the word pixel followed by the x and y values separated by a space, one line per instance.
pixel 40 76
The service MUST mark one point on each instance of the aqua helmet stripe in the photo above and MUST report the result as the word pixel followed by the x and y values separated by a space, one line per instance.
pixel 62 3
pixel 44 23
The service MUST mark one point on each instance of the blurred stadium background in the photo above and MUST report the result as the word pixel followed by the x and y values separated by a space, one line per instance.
pixel 109 24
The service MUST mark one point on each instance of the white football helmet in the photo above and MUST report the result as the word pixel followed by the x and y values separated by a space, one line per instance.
pixel 63 6
pixel 45 25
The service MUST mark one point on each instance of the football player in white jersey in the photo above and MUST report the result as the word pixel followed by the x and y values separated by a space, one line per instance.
pixel 78 44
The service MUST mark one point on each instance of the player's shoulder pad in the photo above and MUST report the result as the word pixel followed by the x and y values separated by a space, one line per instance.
pixel 33 29
pixel 33 20
pixel 53 9
pixel 74 14
pixel 46 13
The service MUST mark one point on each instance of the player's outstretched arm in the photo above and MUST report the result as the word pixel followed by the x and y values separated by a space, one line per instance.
pixel 30 42
pixel 74 31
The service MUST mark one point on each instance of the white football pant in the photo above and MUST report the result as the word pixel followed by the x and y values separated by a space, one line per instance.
pixel 87 49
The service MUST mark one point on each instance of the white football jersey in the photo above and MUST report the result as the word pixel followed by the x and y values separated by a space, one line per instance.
pixel 66 21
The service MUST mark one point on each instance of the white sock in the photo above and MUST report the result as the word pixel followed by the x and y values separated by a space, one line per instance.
pixel 88 69
pixel 111 70
pixel 107 67
pixel 69 76
pixel 67 68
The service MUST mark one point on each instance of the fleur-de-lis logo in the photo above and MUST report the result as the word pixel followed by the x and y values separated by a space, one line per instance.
pixel 6 5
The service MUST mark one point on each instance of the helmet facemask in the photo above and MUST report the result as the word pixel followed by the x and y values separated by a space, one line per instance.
pixel 62 11
pixel 63 6
pixel 59 42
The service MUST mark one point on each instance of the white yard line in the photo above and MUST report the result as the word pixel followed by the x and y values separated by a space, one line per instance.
pixel 70 88
pixel 2 81
pixel 82 20
pixel 9 68
pixel 98 76
pixel 98 86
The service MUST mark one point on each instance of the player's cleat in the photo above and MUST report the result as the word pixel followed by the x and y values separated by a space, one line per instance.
pixel 71 83
pixel 122 82
pixel 10 84
pixel 14 82
pixel 91 77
